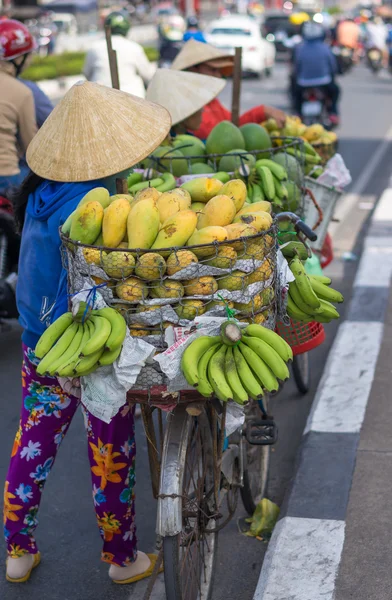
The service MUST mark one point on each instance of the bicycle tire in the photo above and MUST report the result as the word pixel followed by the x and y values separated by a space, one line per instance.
pixel 175 572
pixel 256 463
pixel 301 372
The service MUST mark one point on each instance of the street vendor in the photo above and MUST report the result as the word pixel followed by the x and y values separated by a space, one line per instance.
pixel 208 60
pixel 94 135
pixel 185 95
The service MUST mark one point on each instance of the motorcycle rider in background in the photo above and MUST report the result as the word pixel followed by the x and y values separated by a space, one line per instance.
pixel 315 65
pixel 347 35
pixel 376 37
pixel 193 30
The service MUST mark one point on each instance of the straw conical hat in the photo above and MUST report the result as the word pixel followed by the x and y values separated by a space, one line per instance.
pixel 182 93
pixel 193 53
pixel 94 132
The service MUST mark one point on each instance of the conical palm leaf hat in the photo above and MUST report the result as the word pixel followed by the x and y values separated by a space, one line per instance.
pixel 94 132
pixel 194 53
pixel 182 93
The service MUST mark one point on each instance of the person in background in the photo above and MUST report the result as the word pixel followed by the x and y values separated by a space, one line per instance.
pixel 134 68
pixel 347 34
pixel 377 36
pixel 193 31
pixel 208 60
pixel 315 65
pixel 43 106
pixel 17 111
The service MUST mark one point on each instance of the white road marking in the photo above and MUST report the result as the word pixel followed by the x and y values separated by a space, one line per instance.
pixel 375 268
pixel 302 560
pixel 383 210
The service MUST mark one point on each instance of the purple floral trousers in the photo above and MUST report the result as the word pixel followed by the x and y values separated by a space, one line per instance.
pixel 46 414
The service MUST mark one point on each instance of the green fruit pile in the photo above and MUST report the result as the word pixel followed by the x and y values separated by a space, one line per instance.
pixel 238 364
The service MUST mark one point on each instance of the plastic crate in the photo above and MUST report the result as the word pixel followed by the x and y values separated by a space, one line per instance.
pixel 302 337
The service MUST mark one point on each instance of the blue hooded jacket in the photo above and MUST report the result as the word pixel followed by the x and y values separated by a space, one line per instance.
pixel 42 282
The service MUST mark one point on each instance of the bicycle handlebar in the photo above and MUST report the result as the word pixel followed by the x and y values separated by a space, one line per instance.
pixel 298 224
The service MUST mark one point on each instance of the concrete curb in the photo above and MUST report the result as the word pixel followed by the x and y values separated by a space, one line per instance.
pixel 304 554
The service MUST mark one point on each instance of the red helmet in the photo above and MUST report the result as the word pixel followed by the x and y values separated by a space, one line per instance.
pixel 15 40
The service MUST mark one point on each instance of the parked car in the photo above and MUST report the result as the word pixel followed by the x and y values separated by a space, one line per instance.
pixel 258 55
pixel 278 29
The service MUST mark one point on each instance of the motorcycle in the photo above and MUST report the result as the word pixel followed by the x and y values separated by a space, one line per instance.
pixel 374 59
pixel 9 256
pixel 344 57
pixel 314 107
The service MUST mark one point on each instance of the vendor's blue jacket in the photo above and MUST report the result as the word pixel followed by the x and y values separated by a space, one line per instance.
pixel 315 64
pixel 42 282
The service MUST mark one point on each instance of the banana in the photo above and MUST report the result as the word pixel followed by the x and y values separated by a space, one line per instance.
pixel 67 370
pixel 303 283
pixel 267 182
pixel 328 310
pixel 321 279
pixel 118 327
pixel 52 334
pixel 109 356
pixel 269 356
pixel 57 351
pixel 309 158
pixel 87 363
pixel 280 189
pixel 326 293
pixel 294 248
pixel 100 336
pixel 216 375
pixel 247 378
pixel 146 184
pixel 204 387
pixel 259 368
pixel 239 394
pixel 310 150
pixel 192 355
pixel 250 192
pixel 169 183
pixel 72 348
pixel 277 170
pixel 134 178
pixel 272 339
pixel 296 313
pixel 299 302
pixel 258 193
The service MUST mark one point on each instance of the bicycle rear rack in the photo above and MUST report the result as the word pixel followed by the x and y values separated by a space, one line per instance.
pixel 263 432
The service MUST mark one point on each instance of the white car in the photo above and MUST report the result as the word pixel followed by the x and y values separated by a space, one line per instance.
pixel 227 33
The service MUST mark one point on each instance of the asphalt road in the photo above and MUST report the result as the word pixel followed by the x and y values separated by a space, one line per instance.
pixel 67 534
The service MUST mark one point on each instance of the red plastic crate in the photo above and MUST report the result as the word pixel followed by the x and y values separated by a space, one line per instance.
pixel 302 337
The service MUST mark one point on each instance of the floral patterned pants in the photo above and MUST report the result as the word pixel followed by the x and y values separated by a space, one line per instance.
pixel 46 414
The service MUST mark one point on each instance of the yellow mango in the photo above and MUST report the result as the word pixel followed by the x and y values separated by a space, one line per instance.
pixel 261 221
pixel 225 258
pixel 99 194
pixel 179 260
pixel 262 273
pixel 313 132
pixel 147 194
pixel 136 330
pixel 262 206
pixel 170 203
pixel 143 224
pixel 87 222
pixel 184 193
pixel 207 235
pixel 202 189
pixel 150 266
pixel 118 264
pixel 132 290
pixel 236 190
pixel 92 256
pixel 176 230
pixel 220 210
pixel 237 280
pixel 190 308
pixel 123 196
pixel 239 230
pixel 167 289
pixel 201 286
pixel 114 223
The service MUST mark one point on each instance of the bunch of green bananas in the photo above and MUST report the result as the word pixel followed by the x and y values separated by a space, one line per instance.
pixel 162 182
pixel 237 366
pixel 310 297
pixel 71 348
pixel 266 182
pixel 310 156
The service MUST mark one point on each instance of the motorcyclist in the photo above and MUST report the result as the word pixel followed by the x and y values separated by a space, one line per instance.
pixel 134 68
pixel 17 112
pixel 315 66
pixel 208 60
pixel 170 39
pixel 347 34
pixel 193 30
pixel 376 37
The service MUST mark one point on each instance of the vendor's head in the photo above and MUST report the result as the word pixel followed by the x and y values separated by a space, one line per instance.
pixel 204 59
pixel 119 23
pixel 96 133
pixel 184 95
pixel 16 45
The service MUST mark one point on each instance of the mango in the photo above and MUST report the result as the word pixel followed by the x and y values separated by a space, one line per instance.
pixel 99 240
pixel 118 264
pixel 132 290
pixel 254 249
pixel 122 196
pixel 250 307
pixel 202 189
pixel 99 194
pixel 114 224
pixel 261 206
pixel 237 280
pixel 260 318
pixel 225 258
pixel 123 245
pixel 261 221
pixel 143 224
pixel 137 330
pixel 239 230
pixel 313 132
pixel 147 194
pixel 179 260
pixel 201 286
pixel 207 235
pixel 220 210
pixel 167 289
pixel 190 309
pixel 176 230
pixel 184 193
pixel 236 190
pixel 87 222
pixel 150 266
pixel 219 303
pixel 198 206
pixel 262 273
pixel 92 256
pixel 170 203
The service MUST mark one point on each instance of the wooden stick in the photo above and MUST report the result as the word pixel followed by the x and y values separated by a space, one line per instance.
pixel 121 186
pixel 237 76
pixel 112 59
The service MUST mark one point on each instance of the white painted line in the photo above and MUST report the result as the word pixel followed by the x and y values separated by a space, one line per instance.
pixel 375 268
pixel 158 591
pixel 383 210
pixel 302 560
pixel 342 394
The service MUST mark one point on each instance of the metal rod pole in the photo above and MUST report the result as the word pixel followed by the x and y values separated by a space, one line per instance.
pixel 237 76
pixel 112 59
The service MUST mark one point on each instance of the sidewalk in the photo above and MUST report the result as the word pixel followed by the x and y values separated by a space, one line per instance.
pixel 333 541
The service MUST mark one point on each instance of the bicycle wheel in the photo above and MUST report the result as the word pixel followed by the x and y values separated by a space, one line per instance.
pixel 256 463
pixel 301 372
pixel 189 557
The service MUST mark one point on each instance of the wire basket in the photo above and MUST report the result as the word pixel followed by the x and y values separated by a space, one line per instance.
pixel 325 198
pixel 302 337
pixel 326 151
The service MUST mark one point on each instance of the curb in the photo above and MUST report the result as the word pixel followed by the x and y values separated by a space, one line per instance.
pixel 305 550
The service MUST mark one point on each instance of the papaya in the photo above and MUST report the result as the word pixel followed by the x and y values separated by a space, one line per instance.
pixel 190 146
pixel 202 189
pixel 176 230
pixel 143 224
pixel 261 221
pixel 87 222
pixel 235 159
pixel 201 168
pixel 236 190
pixel 256 138
pixel 167 159
pixel 150 266
pixel 292 166
pixel 262 205
pixel 114 224
pixel 220 210
pixel 118 264
pixel 169 203
pixel 224 137
pixel 201 286
pixel 132 290
pixel 180 260
pixel 207 235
